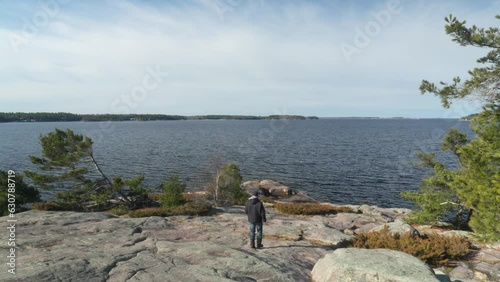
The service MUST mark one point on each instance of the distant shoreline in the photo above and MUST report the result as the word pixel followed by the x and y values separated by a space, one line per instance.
pixel 69 117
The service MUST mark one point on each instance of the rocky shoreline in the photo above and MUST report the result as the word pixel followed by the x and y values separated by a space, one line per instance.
pixel 70 246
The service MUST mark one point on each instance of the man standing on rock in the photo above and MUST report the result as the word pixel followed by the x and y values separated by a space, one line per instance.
pixel 254 208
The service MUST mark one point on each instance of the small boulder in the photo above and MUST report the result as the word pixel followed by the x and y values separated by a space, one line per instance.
pixel 365 223
pixel 370 210
pixel 324 235
pixel 484 269
pixel 462 272
pixel 397 227
pixel 251 186
pixel 268 184
pixel 280 191
pixel 247 185
pixel 380 265
pixel 343 221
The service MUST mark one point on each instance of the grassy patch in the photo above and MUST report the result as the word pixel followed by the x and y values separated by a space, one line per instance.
pixel 147 212
pixel 189 208
pixel 310 209
pixel 433 249
pixel 194 196
pixel 49 206
pixel 120 210
pixel 266 200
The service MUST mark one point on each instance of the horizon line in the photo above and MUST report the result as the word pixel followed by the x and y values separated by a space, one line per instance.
pixel 242 115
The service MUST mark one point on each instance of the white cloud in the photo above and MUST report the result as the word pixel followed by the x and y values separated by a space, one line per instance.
pixel 290 57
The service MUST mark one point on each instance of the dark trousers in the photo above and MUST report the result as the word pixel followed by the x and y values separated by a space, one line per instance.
pixel 257 225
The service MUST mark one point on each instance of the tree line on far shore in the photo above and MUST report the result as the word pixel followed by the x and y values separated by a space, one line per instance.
pixel 51 117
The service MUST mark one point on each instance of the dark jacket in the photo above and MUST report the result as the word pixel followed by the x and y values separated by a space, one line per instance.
pixel 254 208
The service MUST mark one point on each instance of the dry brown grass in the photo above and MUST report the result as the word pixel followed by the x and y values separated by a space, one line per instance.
pixel 310 208
pixel 42 206
pixel 194 196
pixel 147 212
pixel 434 249
pixel 267 200
pixel 190 208
pixel 120 210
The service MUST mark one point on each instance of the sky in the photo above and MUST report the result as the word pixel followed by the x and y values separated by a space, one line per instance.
pixel 253 57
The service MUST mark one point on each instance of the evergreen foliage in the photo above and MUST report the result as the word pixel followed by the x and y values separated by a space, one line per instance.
pixel 23 193
pixel 472 191
pixel 68 163
pixel 225 189
pixel 484 82
pixel 172 192
pixel 230 191
pixel 135 195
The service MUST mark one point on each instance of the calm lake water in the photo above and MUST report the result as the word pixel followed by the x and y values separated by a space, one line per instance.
pixel 356 161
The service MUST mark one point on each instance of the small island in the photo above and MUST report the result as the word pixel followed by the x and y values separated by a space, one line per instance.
pixel 63 117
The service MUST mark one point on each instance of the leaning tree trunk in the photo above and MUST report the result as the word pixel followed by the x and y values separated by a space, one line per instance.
pixel 120 192
pixel 217 188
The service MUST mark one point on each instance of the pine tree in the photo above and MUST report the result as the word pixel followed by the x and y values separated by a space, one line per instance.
pixel 230 185
pixel 473 187
pixel 172 192
pixel 68 163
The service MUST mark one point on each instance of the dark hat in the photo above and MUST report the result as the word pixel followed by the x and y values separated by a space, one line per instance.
pixel 256 193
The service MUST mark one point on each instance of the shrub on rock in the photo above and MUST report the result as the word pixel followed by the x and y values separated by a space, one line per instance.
pixel 147 212
pixel 120 210
pixel 434 249
pixel 189 208
pixel 310 208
